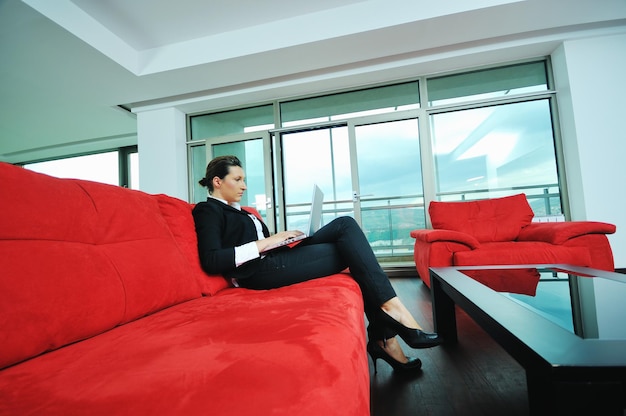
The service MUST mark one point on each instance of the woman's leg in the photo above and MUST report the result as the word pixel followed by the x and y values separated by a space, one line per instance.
pixel 337 245
pixel 313 261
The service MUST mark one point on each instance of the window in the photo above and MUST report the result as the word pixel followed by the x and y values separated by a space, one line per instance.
pixel 118 167
pixel 342 106
pixel 495 151
pixel 487 84
pixel 206 126
pixel 232 122
pixel 381 154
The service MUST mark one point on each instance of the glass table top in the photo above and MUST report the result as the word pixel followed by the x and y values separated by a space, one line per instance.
pixel 590 306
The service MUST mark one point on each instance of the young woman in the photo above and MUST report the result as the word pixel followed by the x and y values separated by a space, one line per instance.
pixel 230 241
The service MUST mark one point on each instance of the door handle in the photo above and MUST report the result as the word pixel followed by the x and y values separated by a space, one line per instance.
pixel 356 197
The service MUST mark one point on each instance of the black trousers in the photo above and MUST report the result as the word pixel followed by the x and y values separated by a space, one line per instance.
pixel 337 245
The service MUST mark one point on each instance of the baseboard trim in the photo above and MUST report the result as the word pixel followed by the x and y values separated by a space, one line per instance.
pixel 399 270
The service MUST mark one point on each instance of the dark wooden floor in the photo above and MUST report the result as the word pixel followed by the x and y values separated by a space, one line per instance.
pixel 475 377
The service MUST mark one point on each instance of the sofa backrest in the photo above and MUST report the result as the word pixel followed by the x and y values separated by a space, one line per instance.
pixel 79 258
pixel 496 219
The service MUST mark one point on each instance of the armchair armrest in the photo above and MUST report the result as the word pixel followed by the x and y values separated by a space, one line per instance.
pixel 431 236
pixel 559 232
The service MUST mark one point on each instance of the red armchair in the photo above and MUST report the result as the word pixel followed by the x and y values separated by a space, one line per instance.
pixel 500 231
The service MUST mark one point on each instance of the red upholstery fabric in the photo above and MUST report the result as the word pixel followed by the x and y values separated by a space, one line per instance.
pixel 560 232
pixel 430 236
pixel 240 352
pixel 438 254
pixel 177 213
pixel 80 258
pixel 521 281
pixel 499 231
pixel 523 253
pixel 101 312
pixel 599 249
pixel 498 219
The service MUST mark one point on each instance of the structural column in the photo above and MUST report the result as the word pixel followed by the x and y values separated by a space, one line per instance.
pixel 161 136
pixel 589 79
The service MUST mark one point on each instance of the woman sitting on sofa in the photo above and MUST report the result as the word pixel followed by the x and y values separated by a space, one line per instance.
pixel 230 241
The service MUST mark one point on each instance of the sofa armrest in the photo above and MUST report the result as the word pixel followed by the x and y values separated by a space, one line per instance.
pixel 560 232
pixel 431 236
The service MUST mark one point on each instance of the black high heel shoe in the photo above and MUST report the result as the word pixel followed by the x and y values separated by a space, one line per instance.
pixel 415 338
pixel 376 352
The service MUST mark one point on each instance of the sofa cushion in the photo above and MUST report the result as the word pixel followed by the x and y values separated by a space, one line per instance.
pixel 177 214
pixel 496 219
pixel 79 258
pixel 523 253
pixel 298 350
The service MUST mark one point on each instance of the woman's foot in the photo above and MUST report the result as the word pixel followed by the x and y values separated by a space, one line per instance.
pixel 396 317
pixel 391 352
pixel 396 309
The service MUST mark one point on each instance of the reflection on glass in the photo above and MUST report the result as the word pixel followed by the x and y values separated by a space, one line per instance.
pixel 588 305
pixel 488 152
pixel 521 281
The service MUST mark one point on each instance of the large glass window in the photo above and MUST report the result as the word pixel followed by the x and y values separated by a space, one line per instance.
pixel 488 84
pixel 197 168
pixel 322 157
pixel 117 167
pixel 390 184
pixel 498 150
pixel 245 120
pixel 382 157
pixel 221 124
pixel 342 106
pixel 100 167
pixel 133 170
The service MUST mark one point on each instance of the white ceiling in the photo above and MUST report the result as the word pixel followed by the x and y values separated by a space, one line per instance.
pixel 66 65
pixel 141 22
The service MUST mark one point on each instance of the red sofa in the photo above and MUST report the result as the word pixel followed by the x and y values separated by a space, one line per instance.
pixel 500 231
pixel 104 310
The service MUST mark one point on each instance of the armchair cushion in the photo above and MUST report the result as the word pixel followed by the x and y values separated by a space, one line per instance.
pixel 497 219
pixel 560 232
pixel 430 236
pixel 523 252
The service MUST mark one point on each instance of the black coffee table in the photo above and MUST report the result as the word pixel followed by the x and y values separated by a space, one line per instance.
pixel 565 325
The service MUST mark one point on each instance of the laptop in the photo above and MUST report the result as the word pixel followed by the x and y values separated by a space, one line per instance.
pixel 315 221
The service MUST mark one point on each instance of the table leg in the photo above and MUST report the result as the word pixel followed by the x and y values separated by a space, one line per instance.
pixel 444 315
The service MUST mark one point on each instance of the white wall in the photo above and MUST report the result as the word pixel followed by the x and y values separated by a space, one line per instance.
pixel 163 152
pixel 589 75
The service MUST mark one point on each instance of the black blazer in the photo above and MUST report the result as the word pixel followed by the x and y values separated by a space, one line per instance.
pixel 220 228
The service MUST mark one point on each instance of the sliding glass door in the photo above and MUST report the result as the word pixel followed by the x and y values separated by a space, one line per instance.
pixel 388 186
pixel 368 168
pixel 314 156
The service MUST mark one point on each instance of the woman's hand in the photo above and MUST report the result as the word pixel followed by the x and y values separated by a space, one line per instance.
pixel 276 238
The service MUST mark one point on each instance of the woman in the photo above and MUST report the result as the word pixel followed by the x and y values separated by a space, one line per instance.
pixel 230 241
